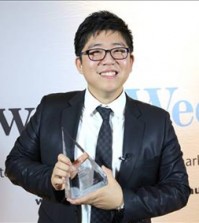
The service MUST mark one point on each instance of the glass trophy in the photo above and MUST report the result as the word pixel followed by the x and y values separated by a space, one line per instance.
pixel 86 175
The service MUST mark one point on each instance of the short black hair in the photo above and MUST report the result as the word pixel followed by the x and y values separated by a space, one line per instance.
pixel 101 21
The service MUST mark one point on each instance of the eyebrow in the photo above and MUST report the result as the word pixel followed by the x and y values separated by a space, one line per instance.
pixel 100 45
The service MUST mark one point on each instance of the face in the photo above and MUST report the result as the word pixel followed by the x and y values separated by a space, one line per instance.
pixel 105 78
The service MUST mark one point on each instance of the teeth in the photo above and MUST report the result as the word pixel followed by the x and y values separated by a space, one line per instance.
pixel 109 74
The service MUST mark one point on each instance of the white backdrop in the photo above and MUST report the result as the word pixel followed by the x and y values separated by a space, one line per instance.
pixel 37 58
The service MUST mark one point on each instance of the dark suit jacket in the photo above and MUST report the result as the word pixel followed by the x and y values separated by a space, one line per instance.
pixel 153 176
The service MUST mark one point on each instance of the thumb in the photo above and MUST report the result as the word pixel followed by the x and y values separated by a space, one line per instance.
pixel 107 171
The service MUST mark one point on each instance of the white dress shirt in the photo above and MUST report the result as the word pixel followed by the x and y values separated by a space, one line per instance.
pixel 89 125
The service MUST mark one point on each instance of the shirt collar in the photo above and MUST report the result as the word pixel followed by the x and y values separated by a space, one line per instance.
pixel 117 106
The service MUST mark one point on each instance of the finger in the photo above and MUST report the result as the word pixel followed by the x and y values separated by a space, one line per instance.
pixel 59 187
pixel 59 180
pixel 107 171
pixel 74 202
pixel 61 173
pixel 62 166
pixel 78 201
pixel 80 160
pixel 87 199
pixel 64 159
pixel 59 183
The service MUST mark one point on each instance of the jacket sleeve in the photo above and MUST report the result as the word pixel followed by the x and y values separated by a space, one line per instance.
pixel 24 166
pixel 168 191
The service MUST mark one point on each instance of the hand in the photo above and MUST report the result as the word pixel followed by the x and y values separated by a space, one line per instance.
pixel 103 198
pixel 61 171
pixel 64 169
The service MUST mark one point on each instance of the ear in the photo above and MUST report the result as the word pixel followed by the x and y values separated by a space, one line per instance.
pixel 132 58
pixel 78 64
pixel 131 62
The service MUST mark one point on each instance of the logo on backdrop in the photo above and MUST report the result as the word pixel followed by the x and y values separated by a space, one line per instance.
pixel 16 118
pixel 38 201
pixel 195 190
pixel 178 109
pixel 1 173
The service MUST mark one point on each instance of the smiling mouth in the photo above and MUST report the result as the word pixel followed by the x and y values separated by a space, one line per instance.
pixel 108 73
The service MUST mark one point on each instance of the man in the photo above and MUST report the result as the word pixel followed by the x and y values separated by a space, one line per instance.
pixel 146 175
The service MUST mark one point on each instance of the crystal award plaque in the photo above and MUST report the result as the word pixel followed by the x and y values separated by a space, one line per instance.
pixel 86 175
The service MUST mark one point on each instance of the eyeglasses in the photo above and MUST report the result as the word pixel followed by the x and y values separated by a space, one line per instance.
pixel 98 54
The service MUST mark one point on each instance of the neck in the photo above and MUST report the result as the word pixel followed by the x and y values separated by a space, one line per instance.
pixel 106 97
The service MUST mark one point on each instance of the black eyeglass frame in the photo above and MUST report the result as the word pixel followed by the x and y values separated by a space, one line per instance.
pixel 106 51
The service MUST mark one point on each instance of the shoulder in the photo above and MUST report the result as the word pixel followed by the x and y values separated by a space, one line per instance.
pixel 56 102
pixel 59 99
pixel 61 96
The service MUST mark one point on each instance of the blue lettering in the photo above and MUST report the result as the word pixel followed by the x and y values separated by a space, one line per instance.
pixel 179 110
pixel 132 93
pixel 197 112
pixel 182 112
pixel 154 98
pixel 153 95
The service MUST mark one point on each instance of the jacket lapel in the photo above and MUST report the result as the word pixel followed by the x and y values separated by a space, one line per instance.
pixel 69 122
pixel 133 135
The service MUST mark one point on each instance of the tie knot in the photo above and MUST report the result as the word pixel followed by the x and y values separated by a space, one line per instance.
pixel 104 112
